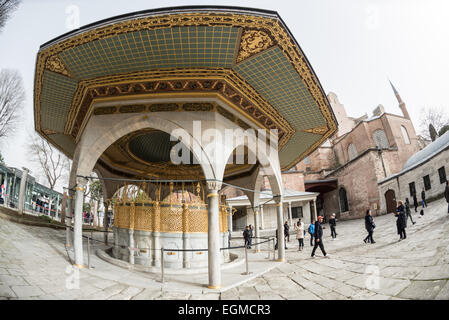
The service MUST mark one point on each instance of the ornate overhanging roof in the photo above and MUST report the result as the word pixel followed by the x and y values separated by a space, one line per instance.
pixel 246 57
pixel 146 154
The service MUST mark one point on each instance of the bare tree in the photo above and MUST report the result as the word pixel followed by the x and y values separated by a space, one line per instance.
pixel 53 163
pixel 12 98
pixel 6 8
pixel 437 117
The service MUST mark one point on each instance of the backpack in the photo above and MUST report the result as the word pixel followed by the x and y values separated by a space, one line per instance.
pixel 310 229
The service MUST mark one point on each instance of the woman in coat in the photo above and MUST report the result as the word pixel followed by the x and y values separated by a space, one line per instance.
pixel 299 227
pixel 401 220
pixel 369 226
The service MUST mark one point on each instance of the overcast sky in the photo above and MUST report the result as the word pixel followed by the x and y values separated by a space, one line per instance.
pixel 354 46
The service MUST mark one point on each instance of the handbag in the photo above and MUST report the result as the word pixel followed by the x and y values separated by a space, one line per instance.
pixel 374 225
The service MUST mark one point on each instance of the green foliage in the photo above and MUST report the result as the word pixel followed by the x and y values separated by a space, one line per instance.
pixel 96 192
pixel 433 133
pixel 46 218
pixel 443 130
pixel 2 161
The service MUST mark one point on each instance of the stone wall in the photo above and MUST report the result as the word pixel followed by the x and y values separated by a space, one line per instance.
pixel 400 184
pixel 359 178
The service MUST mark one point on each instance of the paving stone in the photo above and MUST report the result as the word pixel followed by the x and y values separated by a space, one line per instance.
pixel 248 293
pixel 3 271
pixel 12 280
pixel 148 294
pixel 207 296
pixel 6 292
pixel 423 290
pixel 444 292
pixel 270 296
pixel 35 257
pixel 174 296
pixel 231 294
pixel 434 272
pixel 27 291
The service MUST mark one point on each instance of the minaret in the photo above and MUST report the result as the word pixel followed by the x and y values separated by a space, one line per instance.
pixel 401 103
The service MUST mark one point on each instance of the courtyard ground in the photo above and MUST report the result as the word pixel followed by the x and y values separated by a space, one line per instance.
pixel 34 264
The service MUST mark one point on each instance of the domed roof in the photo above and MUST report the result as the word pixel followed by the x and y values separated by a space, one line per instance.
pixel 428 152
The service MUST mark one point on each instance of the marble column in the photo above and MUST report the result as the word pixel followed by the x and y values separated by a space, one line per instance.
pixel 23 182
pixel 68 220
pixel 314 210
pixel 78 227
pixel 256 227
pixel 280 226
pixel 105 221
pixel 230 219
pixel 290 218
pixel 49 206
pixel 213 231
pixel 262 223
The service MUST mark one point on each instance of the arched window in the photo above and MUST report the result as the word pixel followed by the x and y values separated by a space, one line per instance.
pixel 405 135
pixel 352 152
pixel 307 160
pixel 343 200
pixel 380 139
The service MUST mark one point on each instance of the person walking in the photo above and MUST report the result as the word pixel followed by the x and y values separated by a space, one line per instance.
pixel 286 231
pixel 333 225
pixel 446 194
pixel 407 211
pixel 299 227
pixel 311 231
pixel 401 220
pixel 318 235
pixel 415 202
pixel 251 234
pixel 423 198
pixel 369 226
pixel 246 237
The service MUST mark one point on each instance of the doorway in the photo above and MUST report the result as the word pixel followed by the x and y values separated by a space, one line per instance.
pixel 390 199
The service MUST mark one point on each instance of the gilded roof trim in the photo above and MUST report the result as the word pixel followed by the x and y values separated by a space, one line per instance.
pixel 272 26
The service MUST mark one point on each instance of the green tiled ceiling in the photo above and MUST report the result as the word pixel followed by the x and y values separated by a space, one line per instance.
pixel 273 76
pixel 153 146
pixel 177 47
pixel 298 144
pixel 56 98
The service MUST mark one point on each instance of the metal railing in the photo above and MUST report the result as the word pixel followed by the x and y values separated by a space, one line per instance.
pixel 267 240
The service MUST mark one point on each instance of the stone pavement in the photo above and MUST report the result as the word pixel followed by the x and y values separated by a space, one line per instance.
pixel 34 264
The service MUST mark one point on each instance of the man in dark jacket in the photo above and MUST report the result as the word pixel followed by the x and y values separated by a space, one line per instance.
pixel 246 237
pixel 369 226
pixel 286 232
pixel 318 237
pixel 446 194
pixel 415 202
pixel 333 225
pixel 401 221
pixel 407 211
pixel 251 234
pixel 423 198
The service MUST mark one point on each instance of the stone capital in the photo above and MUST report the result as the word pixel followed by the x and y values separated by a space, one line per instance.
pixel 278 199
pixel 213 185
pixel 81 183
